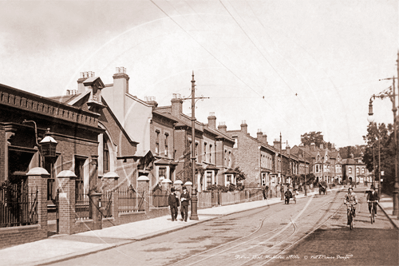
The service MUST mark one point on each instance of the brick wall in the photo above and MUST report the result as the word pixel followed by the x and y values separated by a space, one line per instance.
pixel 247 156
pixel 18 235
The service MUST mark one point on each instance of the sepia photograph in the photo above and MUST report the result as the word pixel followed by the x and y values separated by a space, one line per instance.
pixel 199 132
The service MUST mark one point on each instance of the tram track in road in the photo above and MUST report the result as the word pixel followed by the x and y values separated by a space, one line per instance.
pixel 251 243
pixel 272 252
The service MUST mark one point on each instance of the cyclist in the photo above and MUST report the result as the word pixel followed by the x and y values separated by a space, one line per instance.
pixel 351 199
pixel 372 198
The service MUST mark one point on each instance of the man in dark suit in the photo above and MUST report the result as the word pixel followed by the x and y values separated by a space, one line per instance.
pixel 173 202
pixel 185 199
pixel 372 199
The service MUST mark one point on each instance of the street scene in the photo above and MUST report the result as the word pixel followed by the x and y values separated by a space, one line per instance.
pixel 199 132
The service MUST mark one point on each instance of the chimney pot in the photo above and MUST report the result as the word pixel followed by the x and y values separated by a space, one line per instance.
pixel 222 127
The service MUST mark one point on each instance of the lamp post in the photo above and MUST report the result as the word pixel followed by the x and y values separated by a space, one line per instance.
pixel 46 147
pixel 390 93
pixel 306 162
pixel 370 119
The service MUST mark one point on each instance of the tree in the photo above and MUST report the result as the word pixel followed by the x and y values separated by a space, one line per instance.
pixel 381 137
pixel 240 175
pixel 312 137
pixel 357 151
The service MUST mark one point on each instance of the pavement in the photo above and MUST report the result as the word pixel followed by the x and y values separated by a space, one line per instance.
pixel 62 247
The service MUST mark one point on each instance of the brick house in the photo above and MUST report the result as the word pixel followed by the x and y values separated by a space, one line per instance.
pixel 354 169
pixel 27 121
pixel 150 129
pixel 252 155
pixel 162 144
pixel 115 146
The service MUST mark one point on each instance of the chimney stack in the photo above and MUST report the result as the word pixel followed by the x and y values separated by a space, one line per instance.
pixel 264 139
pixel 259 135
pixel 212 120
pixel 277 144
pixel 177 105
pixel 151 101
pixel 83 76
pixel 244 127
pixel 222 127
pixel 121 82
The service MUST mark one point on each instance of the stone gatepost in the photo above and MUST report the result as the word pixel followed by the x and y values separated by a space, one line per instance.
pixel 37 182
pixel 143 189
pixel 113 182
pixel 66 206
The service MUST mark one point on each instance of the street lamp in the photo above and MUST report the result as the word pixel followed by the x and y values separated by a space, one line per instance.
pixel 390 93
pixel 47 146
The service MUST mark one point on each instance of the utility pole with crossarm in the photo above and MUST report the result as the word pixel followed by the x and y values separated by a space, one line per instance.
pixel 193 99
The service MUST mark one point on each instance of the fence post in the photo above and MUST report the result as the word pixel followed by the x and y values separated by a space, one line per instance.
pixel 37 178
pixel 113 180
pixel 143 191
pixel 66 208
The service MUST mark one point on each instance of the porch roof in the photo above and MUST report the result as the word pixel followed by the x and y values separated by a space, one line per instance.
pixel 164 161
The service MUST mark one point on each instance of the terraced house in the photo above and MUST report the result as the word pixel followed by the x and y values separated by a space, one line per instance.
pixel 252 155
pixel 213 149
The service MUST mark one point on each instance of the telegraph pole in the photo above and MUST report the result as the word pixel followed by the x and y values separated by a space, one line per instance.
pixel 392 97
pixel 281 169
pixel 194 198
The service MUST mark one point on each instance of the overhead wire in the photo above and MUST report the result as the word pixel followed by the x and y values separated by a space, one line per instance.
pixel 211 54
pixel 257 48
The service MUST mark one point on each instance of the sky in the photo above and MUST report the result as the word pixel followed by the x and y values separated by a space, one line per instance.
pixel 282 66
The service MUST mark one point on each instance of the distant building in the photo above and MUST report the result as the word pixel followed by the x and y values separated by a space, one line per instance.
pixel 355 170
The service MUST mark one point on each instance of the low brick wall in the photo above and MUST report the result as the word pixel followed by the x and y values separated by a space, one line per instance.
pixel 17 235
pixel 125 218
pixel 157 212
pixel 83 226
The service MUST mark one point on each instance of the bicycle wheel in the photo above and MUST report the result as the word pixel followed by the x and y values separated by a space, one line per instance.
pixel 350 220
pixel 372 214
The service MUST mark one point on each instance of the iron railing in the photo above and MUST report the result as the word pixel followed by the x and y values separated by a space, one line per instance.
pixel 18 205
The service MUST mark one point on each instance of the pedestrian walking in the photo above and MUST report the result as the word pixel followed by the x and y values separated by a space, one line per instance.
pixel 174 203
pixel 184 198
pixel 294 195
pixel 287 195
pixel 264 192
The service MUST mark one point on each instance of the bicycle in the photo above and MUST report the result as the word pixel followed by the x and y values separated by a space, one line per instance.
pixel 372 211
pixel 350 214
